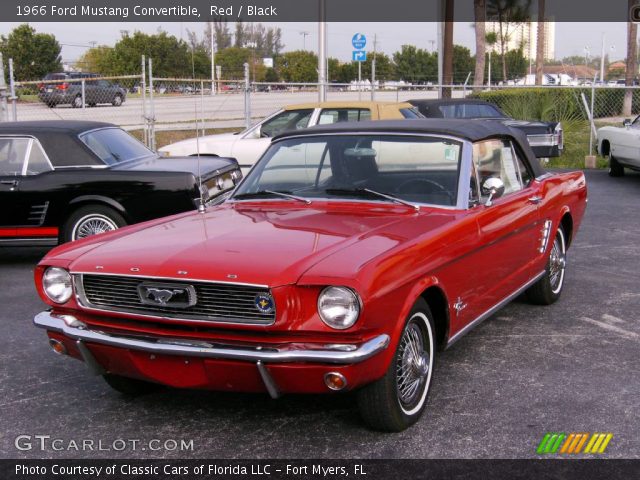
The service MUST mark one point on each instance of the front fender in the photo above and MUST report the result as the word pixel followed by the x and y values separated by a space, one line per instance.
pixel 83 199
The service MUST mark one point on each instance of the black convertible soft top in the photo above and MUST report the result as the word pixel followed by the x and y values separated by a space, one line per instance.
pixel 59 138
pixel 471 130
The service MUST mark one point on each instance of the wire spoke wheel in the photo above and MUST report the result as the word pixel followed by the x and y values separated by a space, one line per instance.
pixel 413 365
pixel 557 263
pixel 92 225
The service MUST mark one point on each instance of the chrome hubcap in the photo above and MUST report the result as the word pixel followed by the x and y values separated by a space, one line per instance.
pixel 557 264
pixel 413 364
pixel 93 225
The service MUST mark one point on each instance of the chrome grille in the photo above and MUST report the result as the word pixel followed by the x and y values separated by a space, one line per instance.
pixel 215 302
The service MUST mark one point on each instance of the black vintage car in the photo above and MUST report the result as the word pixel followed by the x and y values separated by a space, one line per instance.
pixel 545 138
pixel 65 180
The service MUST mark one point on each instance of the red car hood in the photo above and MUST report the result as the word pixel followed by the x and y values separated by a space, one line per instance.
pixel 271 243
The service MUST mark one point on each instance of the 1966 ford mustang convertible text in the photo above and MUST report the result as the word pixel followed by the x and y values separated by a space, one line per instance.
pixel 343 261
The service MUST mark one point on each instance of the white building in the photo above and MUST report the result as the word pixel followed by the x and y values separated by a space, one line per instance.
pixel 525 35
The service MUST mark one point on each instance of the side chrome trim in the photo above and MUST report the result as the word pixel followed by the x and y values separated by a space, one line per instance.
pixel 470 326
pixel 79 332
pixel 29 242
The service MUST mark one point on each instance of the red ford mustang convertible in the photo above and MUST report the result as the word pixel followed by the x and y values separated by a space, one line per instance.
pixel 343 261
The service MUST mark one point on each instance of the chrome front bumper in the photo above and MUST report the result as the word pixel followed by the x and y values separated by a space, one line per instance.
pixel 343 354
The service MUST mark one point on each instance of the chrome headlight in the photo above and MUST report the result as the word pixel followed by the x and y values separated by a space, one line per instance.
pixel 57 284
pixel 339 307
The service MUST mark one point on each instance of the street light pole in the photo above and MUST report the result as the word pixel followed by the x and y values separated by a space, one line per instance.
pixel 602 61
pixel 304 39
pixel 322 54
pixel 213 64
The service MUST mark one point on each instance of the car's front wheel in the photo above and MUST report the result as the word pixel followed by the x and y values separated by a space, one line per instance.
pixel 548 289
pixel 396 401
pixel 117 100
pixel 91 220
pixel 615 169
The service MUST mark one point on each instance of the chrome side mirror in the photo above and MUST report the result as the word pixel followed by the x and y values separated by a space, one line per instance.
pixel 626 122
pixel 494 187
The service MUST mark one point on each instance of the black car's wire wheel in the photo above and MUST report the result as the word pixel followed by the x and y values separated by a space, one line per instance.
pixel 77 102
pixel 397 400
pixel 117 100
pixel 91 220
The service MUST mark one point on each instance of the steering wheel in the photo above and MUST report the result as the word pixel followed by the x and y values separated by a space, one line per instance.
pixel 418 181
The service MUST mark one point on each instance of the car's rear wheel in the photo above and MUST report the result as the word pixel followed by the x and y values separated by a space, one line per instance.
pixel 77 102
pixel 117 100
pixel 130 386
pixel 615 169
pixel 91 220
pixel 547 290
pixel 397 400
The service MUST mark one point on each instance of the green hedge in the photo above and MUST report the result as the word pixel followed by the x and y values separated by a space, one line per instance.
pixel 558 104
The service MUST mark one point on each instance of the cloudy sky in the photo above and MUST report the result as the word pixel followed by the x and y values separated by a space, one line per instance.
pixel 571 38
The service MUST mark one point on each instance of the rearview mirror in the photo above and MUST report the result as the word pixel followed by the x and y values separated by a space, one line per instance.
pixel 494 187
pixel 626 122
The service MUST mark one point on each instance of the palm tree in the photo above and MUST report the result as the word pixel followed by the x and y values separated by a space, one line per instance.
pixel 490 40
pixel 632 45
pixel 480 13
pixel 509 14
pixel 447 57
pixel 540 45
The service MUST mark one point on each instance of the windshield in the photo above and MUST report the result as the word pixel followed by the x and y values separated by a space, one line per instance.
pixel 114 145
pixel 415 169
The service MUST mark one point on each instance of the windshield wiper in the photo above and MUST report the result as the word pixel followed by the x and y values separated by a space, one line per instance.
pixel 262 193
pixel 361 191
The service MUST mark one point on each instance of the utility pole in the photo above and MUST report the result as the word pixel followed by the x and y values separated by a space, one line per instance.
pixel 322 54
pixel 373 67
pixel 213 62
pixel 602 61
pixel 304 39
pixel 440 47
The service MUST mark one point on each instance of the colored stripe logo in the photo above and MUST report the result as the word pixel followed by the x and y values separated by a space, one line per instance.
pixel 574 443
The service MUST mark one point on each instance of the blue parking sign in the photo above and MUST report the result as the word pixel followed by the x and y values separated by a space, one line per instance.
pixel 359 56
pixel 359 41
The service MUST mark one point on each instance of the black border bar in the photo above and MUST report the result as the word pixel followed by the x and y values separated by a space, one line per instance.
pixel 292 10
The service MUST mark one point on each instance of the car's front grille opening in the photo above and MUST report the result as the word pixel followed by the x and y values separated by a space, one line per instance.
pixel 179 299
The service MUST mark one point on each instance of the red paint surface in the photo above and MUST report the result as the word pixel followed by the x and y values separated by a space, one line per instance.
pixel 28 232
pixel 388 253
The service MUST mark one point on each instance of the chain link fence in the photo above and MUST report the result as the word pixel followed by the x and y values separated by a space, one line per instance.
pixel 184 107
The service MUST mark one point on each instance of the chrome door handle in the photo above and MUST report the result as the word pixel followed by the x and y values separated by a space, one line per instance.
pixel 12 183
pixel 535 200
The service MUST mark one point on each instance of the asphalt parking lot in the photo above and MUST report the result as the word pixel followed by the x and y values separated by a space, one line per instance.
pixel 528 370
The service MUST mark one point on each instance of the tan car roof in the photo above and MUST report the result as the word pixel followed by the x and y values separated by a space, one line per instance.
pixel 379 110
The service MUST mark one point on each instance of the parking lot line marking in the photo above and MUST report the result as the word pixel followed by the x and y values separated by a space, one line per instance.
pixel 613 328
pixel 611 319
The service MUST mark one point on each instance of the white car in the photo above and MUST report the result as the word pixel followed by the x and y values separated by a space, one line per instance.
pixel 247 146
pixel 622 145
